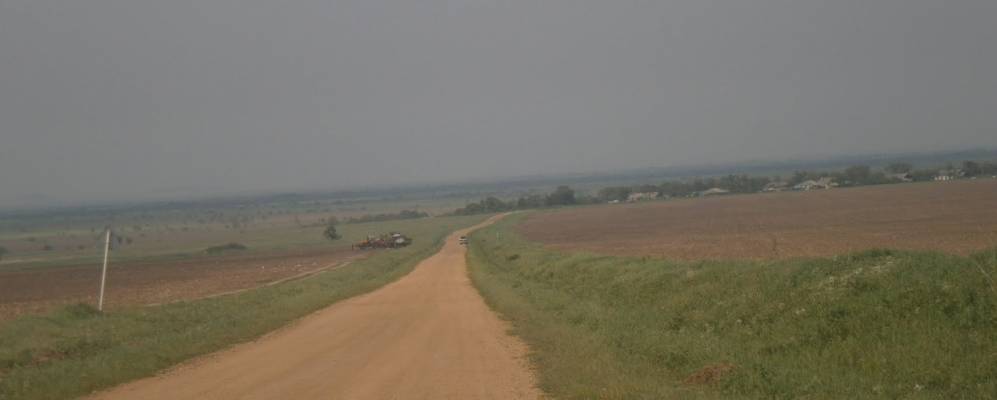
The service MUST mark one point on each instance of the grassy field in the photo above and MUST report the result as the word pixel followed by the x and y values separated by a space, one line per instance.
pixel 165 242
pixel 162 232
pixel 259 240
pixel 873 324
pixel 75 351
pixel 146 278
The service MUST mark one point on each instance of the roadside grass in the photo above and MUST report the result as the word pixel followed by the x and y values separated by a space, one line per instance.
pixel 873 324
pixel 75 351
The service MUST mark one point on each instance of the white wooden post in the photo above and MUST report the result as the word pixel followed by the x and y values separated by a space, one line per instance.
pixel 103 271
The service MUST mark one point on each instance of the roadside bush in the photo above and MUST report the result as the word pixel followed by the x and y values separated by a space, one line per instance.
pixel 225 248
pixel 330 232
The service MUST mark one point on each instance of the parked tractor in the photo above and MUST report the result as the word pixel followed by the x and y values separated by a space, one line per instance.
pixel 392 240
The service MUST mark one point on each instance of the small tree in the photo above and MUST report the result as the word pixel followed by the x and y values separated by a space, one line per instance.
pixel 493 204
pixel 989 168
pixel 971 168
pixel 923 175
pixel 858 174
pixel 530 201
pixel 563 195
pixel 330 232
pixel 617 193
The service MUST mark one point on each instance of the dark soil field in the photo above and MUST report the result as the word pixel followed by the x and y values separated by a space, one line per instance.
pixel 957 217
pixel 140 283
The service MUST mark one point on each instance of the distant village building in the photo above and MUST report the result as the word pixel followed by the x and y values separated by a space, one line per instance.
pixel 808 185
pixel 776 186
pixel 713 192
pixel 950 174
pixel 902 177
pixel 822 183
pixel 642 196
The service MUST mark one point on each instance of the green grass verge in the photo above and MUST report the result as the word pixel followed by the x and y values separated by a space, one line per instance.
pixel 75 351
pixel 874 324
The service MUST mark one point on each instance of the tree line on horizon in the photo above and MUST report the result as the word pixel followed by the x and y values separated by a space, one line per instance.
pixel 403 214
pixel 562 196
pixel 856 175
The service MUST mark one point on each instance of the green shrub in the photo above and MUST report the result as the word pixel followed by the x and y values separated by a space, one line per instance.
pixel 225 248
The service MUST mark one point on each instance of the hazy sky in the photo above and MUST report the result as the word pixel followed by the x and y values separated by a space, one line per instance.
pixel 139 99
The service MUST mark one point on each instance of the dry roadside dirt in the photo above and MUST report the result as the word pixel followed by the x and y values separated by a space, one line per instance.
pixel 429 335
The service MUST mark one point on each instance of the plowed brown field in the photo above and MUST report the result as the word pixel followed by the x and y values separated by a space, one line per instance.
pixel 131 283
pixel 958 217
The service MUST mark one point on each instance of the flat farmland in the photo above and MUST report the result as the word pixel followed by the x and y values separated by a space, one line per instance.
pixel 957 217
pixel 151 282
pixel 166 263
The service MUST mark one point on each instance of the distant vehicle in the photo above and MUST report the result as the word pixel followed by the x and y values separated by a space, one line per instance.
pixel 392 240
pixel 462 240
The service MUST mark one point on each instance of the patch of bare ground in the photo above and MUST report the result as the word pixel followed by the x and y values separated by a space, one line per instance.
pixel 139 283
pixel 709 374
pixel 958 217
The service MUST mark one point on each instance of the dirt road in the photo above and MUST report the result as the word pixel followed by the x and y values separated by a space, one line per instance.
pixel 427 336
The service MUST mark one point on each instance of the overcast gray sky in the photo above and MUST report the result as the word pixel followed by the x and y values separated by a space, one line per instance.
pixel 141 99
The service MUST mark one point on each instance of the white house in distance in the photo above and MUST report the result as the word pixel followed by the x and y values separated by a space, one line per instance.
pixel 949 174
pixel 902 177
pixel 822 183
pixel 642 196
pixel 777 186
pixel 714 192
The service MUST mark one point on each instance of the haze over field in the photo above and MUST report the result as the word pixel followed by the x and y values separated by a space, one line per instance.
pixel 145 99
